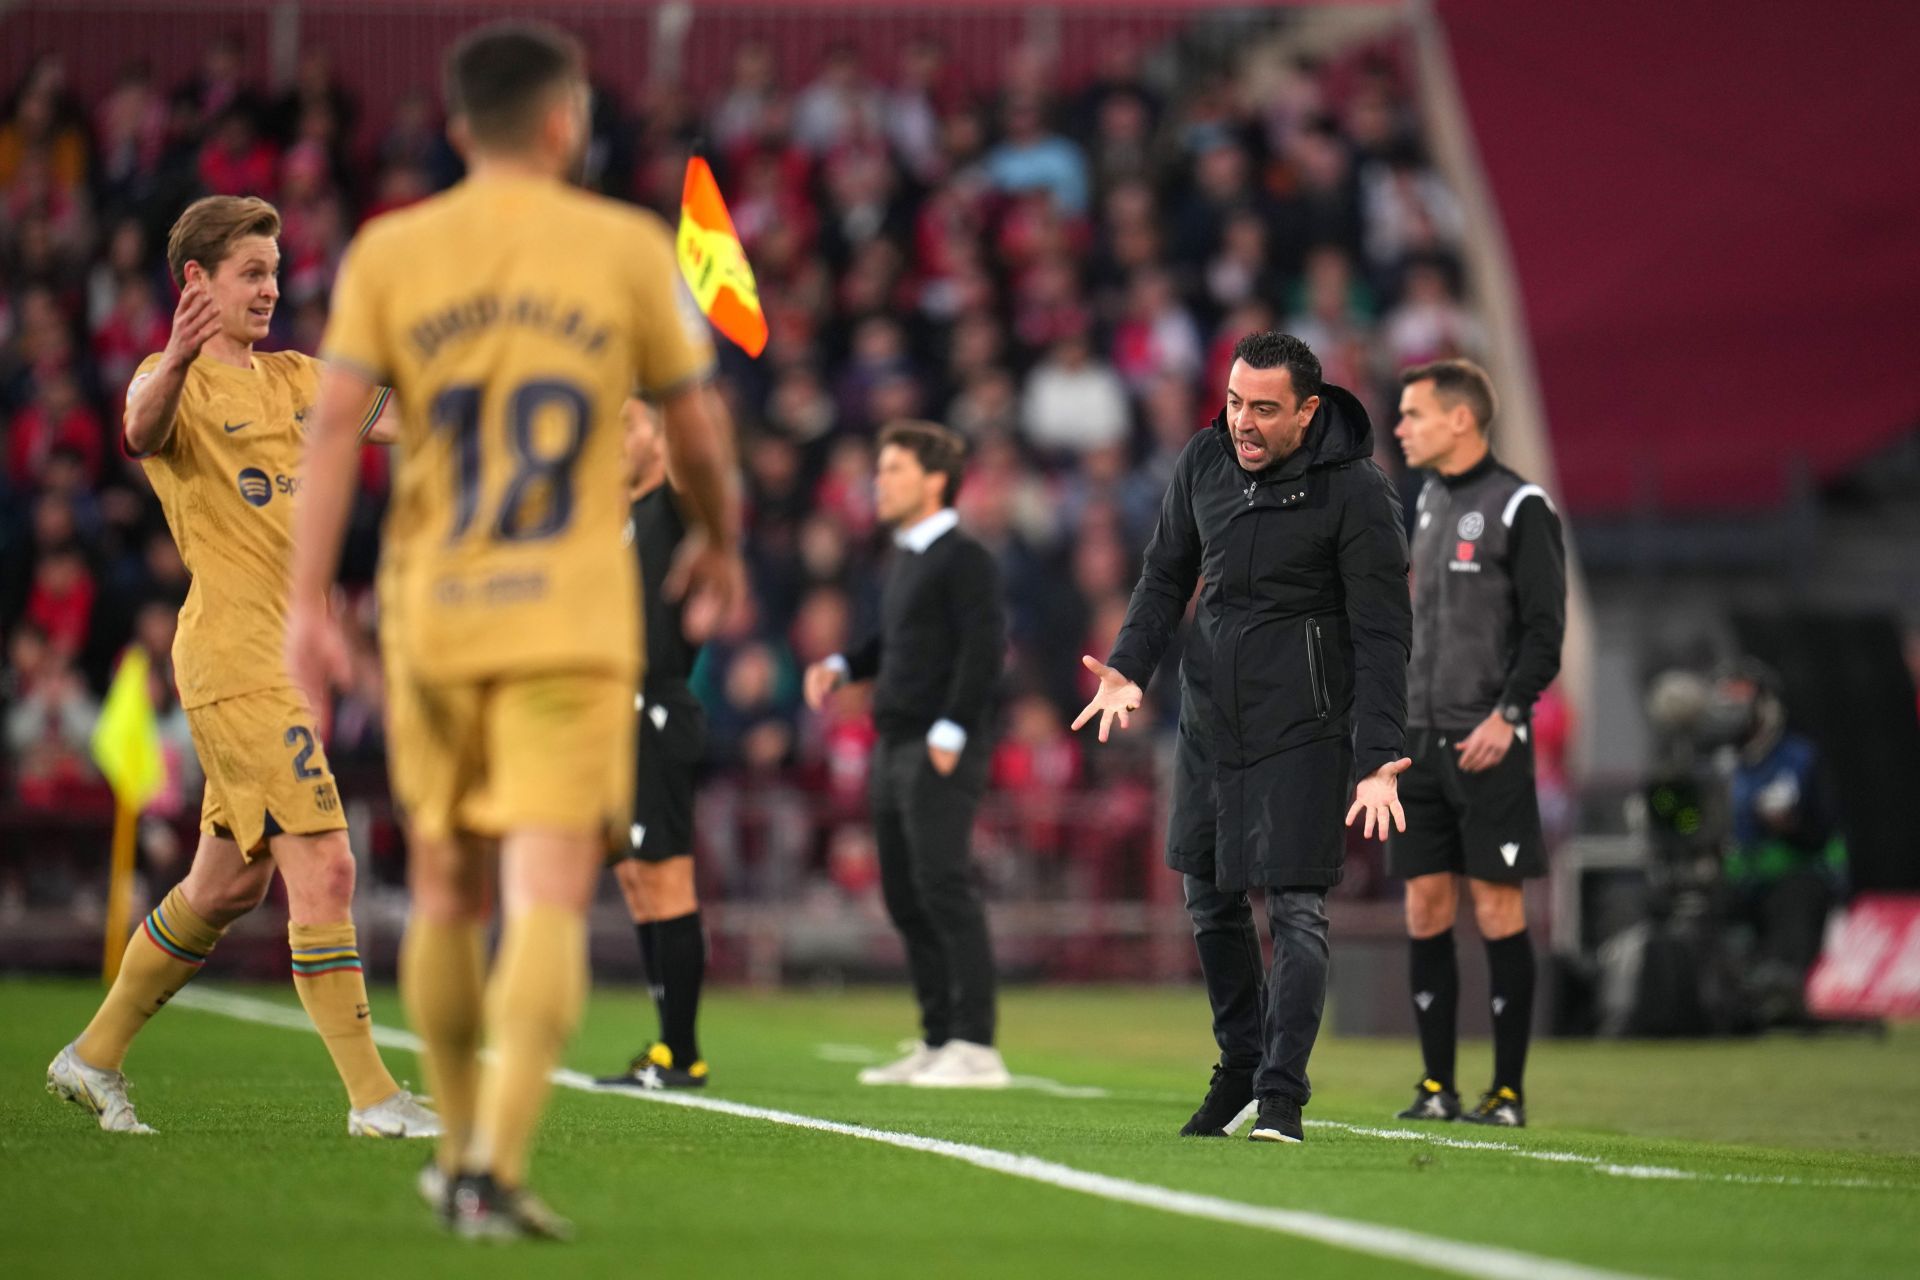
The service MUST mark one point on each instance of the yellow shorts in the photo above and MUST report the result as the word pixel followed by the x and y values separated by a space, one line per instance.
pixel 266 769
pixel 552 751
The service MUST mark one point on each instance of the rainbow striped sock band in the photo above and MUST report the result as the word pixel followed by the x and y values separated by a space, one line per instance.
pixel 165 937
pixel 311 962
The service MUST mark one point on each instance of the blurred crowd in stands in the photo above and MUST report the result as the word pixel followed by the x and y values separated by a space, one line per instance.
pixel 1058 270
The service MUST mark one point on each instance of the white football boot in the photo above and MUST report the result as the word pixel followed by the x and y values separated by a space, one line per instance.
pixel 104 1093
pixel 400 1116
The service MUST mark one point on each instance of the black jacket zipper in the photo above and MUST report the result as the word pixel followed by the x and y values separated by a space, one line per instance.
pixel 1317 671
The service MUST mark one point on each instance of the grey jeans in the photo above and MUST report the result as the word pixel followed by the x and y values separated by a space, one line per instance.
pixel 1264 1024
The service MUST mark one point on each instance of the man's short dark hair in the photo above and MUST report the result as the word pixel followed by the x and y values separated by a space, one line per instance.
pixel 1271 349
pixel 500 76
pixel 935 448
pixel 1456 382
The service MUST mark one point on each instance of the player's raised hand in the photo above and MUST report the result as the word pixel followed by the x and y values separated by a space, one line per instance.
pixel 710 578
pixel 818 684
pixel 1116 696
pixel 1378 796
pixel 195 320
pixel 316 654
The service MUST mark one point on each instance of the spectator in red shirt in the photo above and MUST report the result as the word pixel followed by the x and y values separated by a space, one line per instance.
pixel 49 722
pixel 57 416
pixel 60 602
pixel 235 161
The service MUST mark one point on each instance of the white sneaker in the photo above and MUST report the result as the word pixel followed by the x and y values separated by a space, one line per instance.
pixel 918 1059
pixel 432 1185
pixel 104 1093
pixel 961 1064
pixel 400 1116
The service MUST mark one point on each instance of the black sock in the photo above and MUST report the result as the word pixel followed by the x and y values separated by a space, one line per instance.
pixel 680 945
pixel 648 934
pixel 1435 981
pixel 1510 966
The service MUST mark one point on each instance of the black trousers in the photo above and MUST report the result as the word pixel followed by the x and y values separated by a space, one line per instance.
pixel 923 826
pixel 1263 1024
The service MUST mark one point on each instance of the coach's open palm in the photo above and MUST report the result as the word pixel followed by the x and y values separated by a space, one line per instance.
pixel 1117 696
pixel 1378 796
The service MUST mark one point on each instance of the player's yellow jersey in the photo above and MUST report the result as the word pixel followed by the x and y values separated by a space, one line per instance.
pixel 226 478
pixel 512 317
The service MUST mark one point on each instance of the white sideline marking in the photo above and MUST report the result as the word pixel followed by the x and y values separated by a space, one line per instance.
pixel 860 1055
pixel 856 1054
pixel 1483 1262
pixel 251 1009
pixel 1596 1163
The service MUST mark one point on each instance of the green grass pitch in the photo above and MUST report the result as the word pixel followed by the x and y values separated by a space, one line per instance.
pixel 1778 1157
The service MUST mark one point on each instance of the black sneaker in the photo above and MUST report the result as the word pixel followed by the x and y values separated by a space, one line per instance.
pixel 1499 1106
pixel 481 1209
pixel 1431 1101
pixel 1279 1122
pixel 1227 1097
pixel 654 1069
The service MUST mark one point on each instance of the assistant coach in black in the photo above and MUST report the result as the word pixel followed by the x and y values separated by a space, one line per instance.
pixel 936 664
pixel 1489 611
pixel 656 873
pixel 1292 687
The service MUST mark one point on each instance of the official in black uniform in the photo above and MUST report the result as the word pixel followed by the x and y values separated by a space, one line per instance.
pixel 1293 698
pixel 1489 611
pixel 656 874
pixel 936 664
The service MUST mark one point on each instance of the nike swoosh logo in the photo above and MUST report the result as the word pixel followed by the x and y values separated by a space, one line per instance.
pixel 235 426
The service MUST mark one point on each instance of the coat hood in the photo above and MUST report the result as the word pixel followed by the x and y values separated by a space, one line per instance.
pixel 1340 432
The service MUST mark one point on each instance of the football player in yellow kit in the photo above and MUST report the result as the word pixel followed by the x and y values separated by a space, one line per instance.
pixel 512 315
pixel 218 428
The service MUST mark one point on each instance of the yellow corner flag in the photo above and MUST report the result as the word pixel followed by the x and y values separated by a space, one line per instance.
pixel 126 746
pixel 126 740
pixel 714 264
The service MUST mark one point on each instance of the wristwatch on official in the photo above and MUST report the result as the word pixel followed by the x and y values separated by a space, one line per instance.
pixel 1513 713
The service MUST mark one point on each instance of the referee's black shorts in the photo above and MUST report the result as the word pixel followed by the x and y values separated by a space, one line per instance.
pixel 1484 825
pixel 673 737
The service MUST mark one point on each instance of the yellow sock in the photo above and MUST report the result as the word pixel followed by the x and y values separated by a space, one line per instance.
pixel 538 986
pixel 443 976
pixel 327 974
pixel 162 956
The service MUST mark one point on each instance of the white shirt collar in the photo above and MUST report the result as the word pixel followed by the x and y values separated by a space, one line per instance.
pixel 918 537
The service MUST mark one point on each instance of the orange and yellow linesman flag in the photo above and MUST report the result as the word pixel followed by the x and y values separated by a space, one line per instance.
pixel 714 264
pixel 126 746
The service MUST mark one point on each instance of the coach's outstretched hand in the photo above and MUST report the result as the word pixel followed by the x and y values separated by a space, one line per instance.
pixel 1117 696
pixel 1377 796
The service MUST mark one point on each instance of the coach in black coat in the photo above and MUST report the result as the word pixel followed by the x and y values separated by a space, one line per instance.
pixel 1292 688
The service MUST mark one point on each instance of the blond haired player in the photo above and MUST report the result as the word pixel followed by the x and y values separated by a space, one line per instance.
pixel 512 315
pixel 218 428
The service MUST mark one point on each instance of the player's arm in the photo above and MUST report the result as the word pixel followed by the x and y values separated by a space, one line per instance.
pixel 355 355
pixel 701 458
pixel 316 652
pixel 381 422
pixel 154 397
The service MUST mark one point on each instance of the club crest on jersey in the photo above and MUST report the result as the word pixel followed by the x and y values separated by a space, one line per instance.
pixel 1472 525
pixel 255 487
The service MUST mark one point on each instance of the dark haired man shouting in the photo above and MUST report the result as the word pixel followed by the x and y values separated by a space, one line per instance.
pixel 1293 697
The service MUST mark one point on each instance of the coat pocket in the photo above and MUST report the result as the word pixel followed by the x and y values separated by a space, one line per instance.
pixel 1317 671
